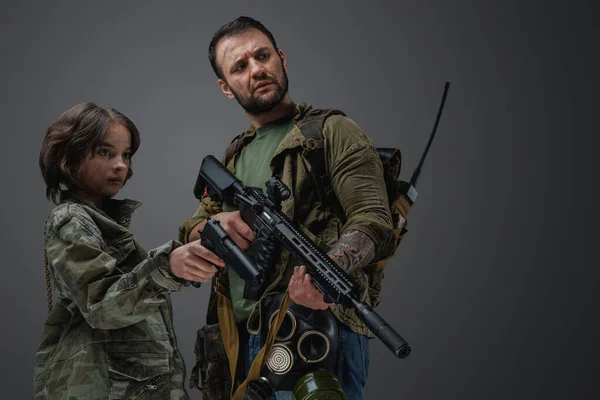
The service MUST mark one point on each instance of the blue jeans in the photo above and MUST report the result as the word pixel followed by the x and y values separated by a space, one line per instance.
pixel 352 369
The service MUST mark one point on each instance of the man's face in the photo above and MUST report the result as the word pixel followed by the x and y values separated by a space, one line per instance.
pixel 254 71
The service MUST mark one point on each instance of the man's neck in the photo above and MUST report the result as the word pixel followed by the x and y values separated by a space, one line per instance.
pixel 285 108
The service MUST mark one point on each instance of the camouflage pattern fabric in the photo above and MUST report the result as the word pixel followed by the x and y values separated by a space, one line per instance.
pixel 211 373
pixel 110 333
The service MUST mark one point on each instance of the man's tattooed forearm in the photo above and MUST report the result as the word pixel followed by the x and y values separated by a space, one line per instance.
pixel 352 251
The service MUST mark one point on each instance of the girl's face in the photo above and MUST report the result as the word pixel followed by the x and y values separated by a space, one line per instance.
pixel 104 170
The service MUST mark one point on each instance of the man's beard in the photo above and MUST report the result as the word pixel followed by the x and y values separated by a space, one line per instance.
pixel 257 106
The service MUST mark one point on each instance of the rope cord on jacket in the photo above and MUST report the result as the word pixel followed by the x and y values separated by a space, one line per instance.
pixel 48 286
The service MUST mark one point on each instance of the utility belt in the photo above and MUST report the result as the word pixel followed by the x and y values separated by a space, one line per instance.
pixel 299 352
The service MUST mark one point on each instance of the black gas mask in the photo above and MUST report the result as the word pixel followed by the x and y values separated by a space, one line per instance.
pixel 303 355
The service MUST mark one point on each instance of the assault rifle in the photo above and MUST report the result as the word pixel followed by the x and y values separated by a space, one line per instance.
pixel 268 223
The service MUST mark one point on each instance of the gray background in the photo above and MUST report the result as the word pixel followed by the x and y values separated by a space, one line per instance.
pixel 491 286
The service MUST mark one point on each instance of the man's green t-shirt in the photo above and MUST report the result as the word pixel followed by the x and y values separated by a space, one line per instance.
pixel 253 169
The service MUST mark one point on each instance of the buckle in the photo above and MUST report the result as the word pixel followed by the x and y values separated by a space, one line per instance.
pixel 309 144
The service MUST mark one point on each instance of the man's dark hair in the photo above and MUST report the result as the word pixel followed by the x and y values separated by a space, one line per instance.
pixel 68 141
pixel 236 27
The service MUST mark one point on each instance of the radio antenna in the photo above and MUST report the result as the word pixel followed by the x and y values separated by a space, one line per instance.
pixel 415 175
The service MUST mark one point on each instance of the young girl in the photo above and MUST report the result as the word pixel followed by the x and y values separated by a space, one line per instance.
pixel 110 333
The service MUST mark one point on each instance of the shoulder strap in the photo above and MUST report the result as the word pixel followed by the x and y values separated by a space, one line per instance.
pixel 311 127
pixel 311 124
pixel 233 148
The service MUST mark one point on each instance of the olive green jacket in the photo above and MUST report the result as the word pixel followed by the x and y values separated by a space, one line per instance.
pixel 356 176
pixel 110 332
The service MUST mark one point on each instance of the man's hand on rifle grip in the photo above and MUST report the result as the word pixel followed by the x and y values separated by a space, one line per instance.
pixel 235 227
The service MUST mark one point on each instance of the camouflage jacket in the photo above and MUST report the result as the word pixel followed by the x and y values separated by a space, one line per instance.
pixel 110 333
pixel 356 176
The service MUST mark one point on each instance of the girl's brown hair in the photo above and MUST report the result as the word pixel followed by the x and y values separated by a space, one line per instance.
pixel 68 141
